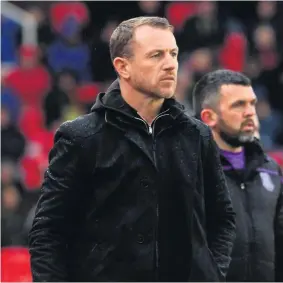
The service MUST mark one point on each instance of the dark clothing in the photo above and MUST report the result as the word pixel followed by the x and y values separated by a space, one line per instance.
pixel 54 105
pixel 105 213
pixel 256 193
pixel 204 32
pixel 13 232
pixel 12 143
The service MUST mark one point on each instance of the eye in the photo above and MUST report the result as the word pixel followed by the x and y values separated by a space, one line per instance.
pixel 174 54
pixel 238 104
pixel 156 55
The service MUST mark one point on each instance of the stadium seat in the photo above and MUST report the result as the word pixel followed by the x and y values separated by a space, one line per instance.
pixel 15 265
pixel 178 12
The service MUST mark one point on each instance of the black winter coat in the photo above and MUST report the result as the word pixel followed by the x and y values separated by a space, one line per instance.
pixel 257 196
pixel 122 201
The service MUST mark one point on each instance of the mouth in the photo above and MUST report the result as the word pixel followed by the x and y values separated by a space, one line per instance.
pixel 170 78
pixel 250 126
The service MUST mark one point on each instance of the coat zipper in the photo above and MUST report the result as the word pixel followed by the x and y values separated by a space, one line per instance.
pixel 150 130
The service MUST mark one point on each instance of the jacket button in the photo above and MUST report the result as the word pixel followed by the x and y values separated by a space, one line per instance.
pixel 140 238
pixel 144 183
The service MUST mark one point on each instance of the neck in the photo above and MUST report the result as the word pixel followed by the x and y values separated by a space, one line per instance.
pixel 223 145
pixel 147 106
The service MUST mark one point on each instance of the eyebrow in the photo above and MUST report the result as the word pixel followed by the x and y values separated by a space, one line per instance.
pixel 244 101
pixel 162 50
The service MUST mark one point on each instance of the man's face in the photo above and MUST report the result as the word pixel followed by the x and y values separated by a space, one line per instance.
pixel 67 83
pixel 237 112
pixel 153 67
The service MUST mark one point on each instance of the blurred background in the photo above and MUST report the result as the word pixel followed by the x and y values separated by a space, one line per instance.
pixel 55 60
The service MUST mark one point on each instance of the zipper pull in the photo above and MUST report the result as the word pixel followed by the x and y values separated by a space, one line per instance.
pixel 150 130
pixel 242 186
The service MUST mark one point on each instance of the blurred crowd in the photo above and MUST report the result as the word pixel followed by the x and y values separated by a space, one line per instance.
pixel 59 78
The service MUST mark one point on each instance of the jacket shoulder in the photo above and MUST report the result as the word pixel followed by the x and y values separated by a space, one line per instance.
pixel 202 129
pixel 272 164
pixel 81 127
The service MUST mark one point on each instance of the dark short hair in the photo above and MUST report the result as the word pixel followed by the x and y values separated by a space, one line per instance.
pixel 206 91
pixel 69 72
pixel 122 36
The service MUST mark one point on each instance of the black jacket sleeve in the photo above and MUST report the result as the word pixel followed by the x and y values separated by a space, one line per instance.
pixel 48 237
pixel 279 237
pixel 220 216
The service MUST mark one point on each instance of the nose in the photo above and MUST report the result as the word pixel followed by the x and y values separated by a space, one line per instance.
pixel 250 111
pixel 170 63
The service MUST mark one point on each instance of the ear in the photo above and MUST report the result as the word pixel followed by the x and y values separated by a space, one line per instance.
pixel 121 66
pixel 209 117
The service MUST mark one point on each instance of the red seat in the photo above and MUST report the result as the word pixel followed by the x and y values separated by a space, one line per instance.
pixel 87 93
pixel 277 156
pixel 31 122
pixel 15 265
pixel 178 12
pixel 233 54
pixel 32 175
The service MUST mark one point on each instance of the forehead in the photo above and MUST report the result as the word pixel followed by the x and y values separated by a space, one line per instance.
pixel 232 93
pixel 149 38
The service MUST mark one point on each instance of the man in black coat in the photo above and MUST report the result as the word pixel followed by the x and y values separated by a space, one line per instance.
pixel 134 190
pixel 225 101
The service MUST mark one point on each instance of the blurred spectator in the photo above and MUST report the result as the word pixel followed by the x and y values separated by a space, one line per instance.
pixel 30 81
pixel 100 55
pixel 39 142
pixel 67 99
pixel 12 140
pixel 9 29
pixel 183 90
pixel 200 62
pixel 265 47
pixel 31 122
pixel 15 205
pixel 11 199
pixel 60 11
pixel 10 175
pixel 252 68
pixel 86 95
pixel 11 220
pixel 62 95
pixel 11 102
pixel 268 13
pixel 68 50
pixel 202 30
pixel 150 8
pixel 272 80
pixel 269 119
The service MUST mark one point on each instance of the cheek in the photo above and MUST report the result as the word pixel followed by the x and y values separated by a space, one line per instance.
pixel 144 74
pixel 233 119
